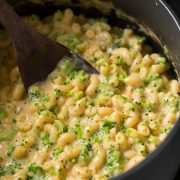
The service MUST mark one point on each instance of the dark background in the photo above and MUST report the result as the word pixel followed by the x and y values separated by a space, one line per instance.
pixel 175 5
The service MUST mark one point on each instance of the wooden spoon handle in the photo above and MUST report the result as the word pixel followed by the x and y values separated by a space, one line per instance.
pixel 10 20
pixel 36 55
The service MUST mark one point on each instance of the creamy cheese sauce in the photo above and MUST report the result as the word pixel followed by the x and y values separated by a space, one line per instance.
pixel 76 125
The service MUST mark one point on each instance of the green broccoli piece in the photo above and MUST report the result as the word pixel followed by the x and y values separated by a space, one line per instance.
pixel 101 62
pixel 52 171
pixel 148 107
pixel 10 149
pixel 79 95
pixel 71 40
pixel 44 139
pixel 8 134
pixel 116 45
pixel 12 167
pixel 73 74
pixel 57 15
pixel 35 173
pixel 58 93
pixel 114 163
pixel 3 113
pixel 85 153
pixel 83 76
pixel 141 39
pixel 59 126
pixel 107 90
pixel 65 66
pixel 35 169
pixel 119 61
pixel 161 60
pixel 78 129
pixel 108 124
pixel 2 171
pixel 57 151
pixel 122 128
pixel 34 93
pixel 47 113
pixel 152 76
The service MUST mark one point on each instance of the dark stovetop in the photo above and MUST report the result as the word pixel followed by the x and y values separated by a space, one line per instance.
pixel 175 4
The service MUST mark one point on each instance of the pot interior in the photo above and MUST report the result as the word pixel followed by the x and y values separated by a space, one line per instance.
pixel 123 21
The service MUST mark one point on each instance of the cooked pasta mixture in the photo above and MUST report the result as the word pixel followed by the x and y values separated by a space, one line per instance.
pixel 76 125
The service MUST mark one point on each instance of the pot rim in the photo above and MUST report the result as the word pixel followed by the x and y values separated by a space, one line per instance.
pixel 172 132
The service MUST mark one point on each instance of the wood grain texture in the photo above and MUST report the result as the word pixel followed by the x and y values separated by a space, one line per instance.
pixel 37 55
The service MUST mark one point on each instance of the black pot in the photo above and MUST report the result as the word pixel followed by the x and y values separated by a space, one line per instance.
pixel 156 14
pixel 163 163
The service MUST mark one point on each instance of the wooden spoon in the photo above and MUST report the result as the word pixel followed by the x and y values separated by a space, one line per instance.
pixel 36 55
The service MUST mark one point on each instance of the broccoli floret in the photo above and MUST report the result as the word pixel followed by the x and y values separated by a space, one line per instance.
pixel 113 163
pixel 73 74
pixel 107 90
pixel 92 59
pixel 70 93
pixel 47 113
pixel 149 107
pixel 65 66
pixel 58 93
pixel 44 139
pixel 78 74
pixel 96 138
pixel 122 75
pixel 101 135
pixel 171 101
pixel 141 148
pixel 57 15
pixel 79 95
pixel 8 134
pixel 141 39
pixel 85 153
pixel 78 129
pixel 36 96
pixel 82 75
pixel 35 172
pixel 59 126
pixel 2 171
pixel 34 93
pixel 10 149
pixel 161 60
pixel 123 99
pixel 152 76
pixel 157 84
pixel 119 61
pixel 3 113
pixel 12 167
pixel 34 168
pixel 101 62
pixel 57 151
pixel 122 128
pixel 52 171
pixel 71 40
pixel 108 124
pixel 45 98
pixel 116 45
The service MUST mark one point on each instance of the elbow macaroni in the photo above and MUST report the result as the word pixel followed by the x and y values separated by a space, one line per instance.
pixel 76 125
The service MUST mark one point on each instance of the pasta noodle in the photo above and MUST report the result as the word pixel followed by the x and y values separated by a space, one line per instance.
pixel 76 125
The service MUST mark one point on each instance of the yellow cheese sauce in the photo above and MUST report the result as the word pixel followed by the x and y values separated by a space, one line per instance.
pixel 76 125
